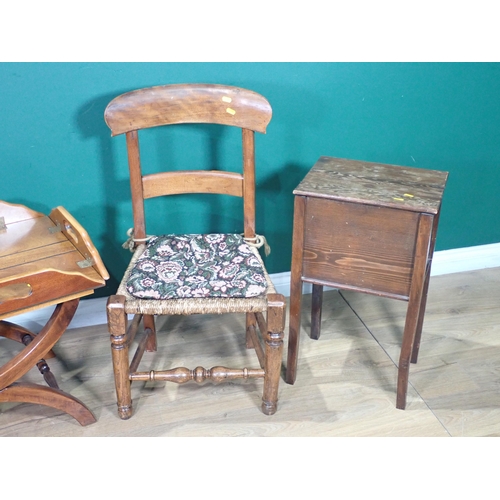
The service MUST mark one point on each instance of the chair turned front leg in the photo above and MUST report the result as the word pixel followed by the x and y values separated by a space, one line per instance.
pixel 117 326
pixel 274 352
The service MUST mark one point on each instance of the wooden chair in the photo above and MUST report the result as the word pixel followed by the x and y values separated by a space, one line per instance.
pixel 44 261
pixel 144 293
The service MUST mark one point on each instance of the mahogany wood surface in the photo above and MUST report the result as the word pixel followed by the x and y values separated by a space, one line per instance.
pixel 172 105
pixel 48 396
pixel 22 362
pixel 78 236
pixel 365 227
pixel 44 260
pixel 12 212
pixel 18 333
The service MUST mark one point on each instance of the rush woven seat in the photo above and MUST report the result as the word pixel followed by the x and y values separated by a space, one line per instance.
pixel 183 274
pixel 197 305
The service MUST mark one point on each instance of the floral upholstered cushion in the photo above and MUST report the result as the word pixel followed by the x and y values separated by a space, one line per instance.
pixel 197 266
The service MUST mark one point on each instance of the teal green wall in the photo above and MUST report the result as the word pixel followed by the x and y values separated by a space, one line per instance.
pixel 55 148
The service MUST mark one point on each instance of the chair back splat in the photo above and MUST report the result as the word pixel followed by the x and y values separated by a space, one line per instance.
pixel 190 103
pixel 192 274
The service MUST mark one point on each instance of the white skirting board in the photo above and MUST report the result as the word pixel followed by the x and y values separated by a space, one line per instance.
pixel 93 311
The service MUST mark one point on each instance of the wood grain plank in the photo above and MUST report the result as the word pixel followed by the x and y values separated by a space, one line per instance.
pixel 22 257
pixel 64 263
pixel 192 181
pixel 365 247
pixel 188 103
pixel 415 189
pixel 13 213
pixel 28 234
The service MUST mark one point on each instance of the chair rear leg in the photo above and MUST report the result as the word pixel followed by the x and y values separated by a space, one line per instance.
pixel 274 352
pixel 117 326
pixel 149 324
pixel 251 322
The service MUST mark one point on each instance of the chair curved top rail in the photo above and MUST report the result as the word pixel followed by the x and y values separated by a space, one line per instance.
pixel 188 103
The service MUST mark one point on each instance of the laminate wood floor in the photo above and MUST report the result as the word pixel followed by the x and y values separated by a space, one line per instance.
pixel 346 383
